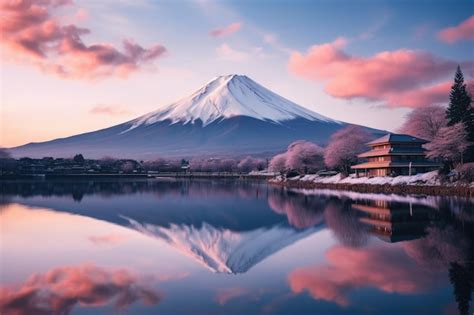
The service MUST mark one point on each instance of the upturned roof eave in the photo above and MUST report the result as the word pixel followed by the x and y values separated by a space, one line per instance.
pixel 373 153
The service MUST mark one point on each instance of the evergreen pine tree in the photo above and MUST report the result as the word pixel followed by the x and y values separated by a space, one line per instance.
pixel 460 110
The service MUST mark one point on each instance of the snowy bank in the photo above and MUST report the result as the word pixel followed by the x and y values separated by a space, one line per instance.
pixel 430 178
pixel 426 183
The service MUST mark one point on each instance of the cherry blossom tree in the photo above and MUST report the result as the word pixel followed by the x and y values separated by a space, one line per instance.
pixel 449 145
pixel 304 156
pixel 250 164
pixel 277 163
pixel 344 147
pixel 127 167
pixel 213 165
pixel 301 156
pixel 425 122
pixel 226 165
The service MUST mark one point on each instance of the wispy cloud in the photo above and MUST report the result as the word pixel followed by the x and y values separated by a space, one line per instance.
pixel 226 30
pixel 462 31
pixel 374 28
pixel 110 110
pixel 226 52
pixel 109 239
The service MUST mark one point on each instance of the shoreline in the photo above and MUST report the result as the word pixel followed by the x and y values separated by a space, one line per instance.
pixel 399 189
pixel 136 176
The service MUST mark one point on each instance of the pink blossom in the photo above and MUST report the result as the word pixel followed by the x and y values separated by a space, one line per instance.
pixel 425 122
pixel 344 147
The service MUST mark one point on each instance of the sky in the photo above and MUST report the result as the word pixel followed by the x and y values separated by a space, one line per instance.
pixel 69 67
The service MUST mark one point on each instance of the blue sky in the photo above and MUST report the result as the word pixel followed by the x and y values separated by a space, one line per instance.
pixel 270 34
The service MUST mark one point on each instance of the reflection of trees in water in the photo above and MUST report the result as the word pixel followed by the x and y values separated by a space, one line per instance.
pixel 345 224
pixel 4 200
pixel 448 245
pixel 302 211
pixel 439 247
pixel 461 277
pixel 77 189
pixel 445 248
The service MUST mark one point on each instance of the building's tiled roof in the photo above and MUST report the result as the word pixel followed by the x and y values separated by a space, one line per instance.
pixel 376 164
pixel 393 151
pixel 386 164
pixel 394 137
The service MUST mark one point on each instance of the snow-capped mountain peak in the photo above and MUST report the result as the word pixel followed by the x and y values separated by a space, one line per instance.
pixel 229 96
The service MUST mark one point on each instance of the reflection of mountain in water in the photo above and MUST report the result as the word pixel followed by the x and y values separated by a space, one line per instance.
pixel 228 226
pixel 222 250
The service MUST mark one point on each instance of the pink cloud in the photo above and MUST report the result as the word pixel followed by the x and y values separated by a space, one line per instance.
pixel 463 31
pixel 400 78
pixel 433 94
pixel 59 290
pixel 225 31
pixel 110 110
pixel 384 268
pixel 33 35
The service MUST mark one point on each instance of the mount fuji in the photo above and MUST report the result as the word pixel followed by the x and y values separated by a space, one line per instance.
pixel 230 115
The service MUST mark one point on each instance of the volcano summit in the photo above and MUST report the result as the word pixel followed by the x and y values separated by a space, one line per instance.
pixel 231 115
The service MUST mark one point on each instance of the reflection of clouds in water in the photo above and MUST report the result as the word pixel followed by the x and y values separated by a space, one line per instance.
pixel 59 290
pixel 227 294
pixel 387 269
pixel 224 295
pixel 301 211
pixel 345 224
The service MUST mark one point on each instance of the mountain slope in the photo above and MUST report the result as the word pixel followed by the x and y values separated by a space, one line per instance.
pixel 231 115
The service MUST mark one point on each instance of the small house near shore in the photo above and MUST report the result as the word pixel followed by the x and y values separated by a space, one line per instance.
pixel 394 155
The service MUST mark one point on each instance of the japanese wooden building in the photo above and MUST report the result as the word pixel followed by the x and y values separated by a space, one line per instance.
pixel 393 155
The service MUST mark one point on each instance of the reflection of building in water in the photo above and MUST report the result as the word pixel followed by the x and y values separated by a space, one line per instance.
pixel 395 222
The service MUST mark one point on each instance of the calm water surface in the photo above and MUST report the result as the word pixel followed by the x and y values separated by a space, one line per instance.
pixel 230 247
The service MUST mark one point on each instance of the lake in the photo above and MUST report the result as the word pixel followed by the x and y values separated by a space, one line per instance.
pixel 230 247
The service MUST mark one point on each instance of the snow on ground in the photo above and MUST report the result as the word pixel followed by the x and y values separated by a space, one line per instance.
pixel 263 173
pixel 430 201
pixel 430 178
